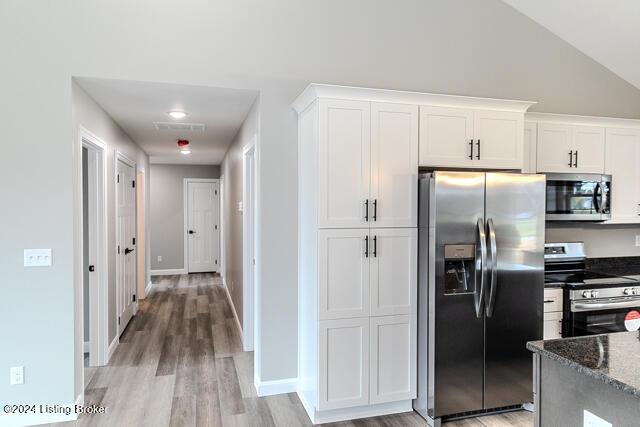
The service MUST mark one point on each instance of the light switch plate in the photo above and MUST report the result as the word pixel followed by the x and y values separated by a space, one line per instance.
pixel 239 206
pixel 159 258
pixel 591 420
pixel 37 257
pixel 16 375
pixel 637 240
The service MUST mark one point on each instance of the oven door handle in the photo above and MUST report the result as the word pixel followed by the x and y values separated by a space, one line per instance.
pixel 598 306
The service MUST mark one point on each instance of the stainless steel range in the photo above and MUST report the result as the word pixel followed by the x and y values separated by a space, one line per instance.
pixel 594 302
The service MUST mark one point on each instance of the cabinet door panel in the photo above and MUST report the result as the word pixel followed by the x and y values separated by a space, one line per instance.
pixel 588 143
pixel 394 165
pixel 344 163
pixel 529 147
pixel 555 142
pixel 393 271
pixel 393 358
pixel 622 162
pixel 445 134
pixel 498 139
pixel 344 273
pixel 344 363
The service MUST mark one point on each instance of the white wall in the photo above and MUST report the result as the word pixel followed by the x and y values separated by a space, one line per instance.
pixel 88 114
pixel 478 48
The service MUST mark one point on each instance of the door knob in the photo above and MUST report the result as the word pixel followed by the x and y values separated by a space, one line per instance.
pixel 192 232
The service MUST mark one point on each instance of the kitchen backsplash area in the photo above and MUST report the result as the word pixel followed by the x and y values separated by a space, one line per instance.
pixel 601 240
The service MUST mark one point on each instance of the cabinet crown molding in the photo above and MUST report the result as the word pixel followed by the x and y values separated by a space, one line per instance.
pixel 316 90
pixel 570 119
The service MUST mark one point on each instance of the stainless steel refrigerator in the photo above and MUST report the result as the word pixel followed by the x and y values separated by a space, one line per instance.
pixel 480 292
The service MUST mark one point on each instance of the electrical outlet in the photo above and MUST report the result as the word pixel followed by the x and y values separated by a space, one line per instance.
pixel 240 207
pixel 16 375
pixel 37 257
pixel 159 258
pixel 591 420
pixel 637 240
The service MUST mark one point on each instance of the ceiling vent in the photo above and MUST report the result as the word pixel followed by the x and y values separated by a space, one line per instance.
pixel 183 127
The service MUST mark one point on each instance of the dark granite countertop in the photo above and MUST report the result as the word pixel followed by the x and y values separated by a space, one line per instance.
pixel 620 266
pixel 611 358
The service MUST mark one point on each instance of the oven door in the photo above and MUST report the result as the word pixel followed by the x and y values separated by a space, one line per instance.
pixel 603 316
pixel 574 197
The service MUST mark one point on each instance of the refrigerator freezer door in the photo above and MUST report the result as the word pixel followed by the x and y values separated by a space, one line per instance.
pixel 515 204
pixel 457 204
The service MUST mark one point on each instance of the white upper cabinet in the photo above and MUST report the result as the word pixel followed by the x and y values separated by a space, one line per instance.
pixel 344 163
pixel 446 136
pixel 498 139
pixel 529 147
pixel 468 138
pixel 394 165
pixel 622 162
pixel 566 148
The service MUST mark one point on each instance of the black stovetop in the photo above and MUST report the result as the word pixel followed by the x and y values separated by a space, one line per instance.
pixel 587 279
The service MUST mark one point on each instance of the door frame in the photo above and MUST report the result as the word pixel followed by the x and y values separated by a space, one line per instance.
pixel 185 217
pixel 223 264
pixel 120 156
pixel 250 251
pixel 98 251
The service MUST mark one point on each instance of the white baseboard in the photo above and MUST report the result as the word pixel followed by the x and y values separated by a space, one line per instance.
pixel 337 415
pixel 268 388
pixel 169 272
pixel 147 290
pixel 87 346
pixel 235 314
pixel 112 348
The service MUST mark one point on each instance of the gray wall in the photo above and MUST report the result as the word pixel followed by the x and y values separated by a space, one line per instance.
pixel 167 211
pixel 601 240
pixel 478 48
pixel 232 170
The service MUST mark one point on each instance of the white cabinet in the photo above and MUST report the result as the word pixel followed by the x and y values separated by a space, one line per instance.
pixel 552 325
pixel 565 148
pixel 622 162
pixel 394 271
pixel 344 162
pixel 344 273
pixel 446 137
pixel 344 363
pixel 470 138
pixel 394 165
pixel 529 147
pixel 393 358
pixel 367 164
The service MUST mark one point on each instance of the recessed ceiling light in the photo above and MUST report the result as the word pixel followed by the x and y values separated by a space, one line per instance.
pixel 185 151
pixel 177 114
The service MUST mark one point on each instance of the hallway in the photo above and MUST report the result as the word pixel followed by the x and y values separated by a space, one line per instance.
pixel 180 363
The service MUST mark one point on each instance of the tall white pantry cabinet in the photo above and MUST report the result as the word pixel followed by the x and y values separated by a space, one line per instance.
pixel 358 166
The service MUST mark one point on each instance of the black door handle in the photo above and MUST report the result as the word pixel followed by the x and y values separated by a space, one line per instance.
pixel 92 268
pixel 478 155
pixel 571 158
pixel 471 149
pixel 192 232
pixel 127 251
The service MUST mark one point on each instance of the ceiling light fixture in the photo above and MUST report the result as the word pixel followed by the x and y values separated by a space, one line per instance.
pixel 185 151
pixel 176 114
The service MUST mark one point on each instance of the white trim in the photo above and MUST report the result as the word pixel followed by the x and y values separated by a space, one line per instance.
pixel 223 254
pixel 268 388
pixel 98 227
pixel 147 290
pixel 235 314
pixel 249 246
pixel 80 399
pixel 315 90
pixel 112 347
pixel 169 272
pixel 358 412
pixel 582 120
pixel 185 220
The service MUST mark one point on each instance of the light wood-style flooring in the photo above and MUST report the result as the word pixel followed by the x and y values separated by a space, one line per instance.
pixel 180 363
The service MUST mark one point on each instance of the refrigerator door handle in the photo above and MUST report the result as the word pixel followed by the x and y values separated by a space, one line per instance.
pixel 493 267
pixel 480 269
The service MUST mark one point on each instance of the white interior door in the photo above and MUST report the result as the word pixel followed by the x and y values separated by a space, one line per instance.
pixel 126 234
pixel 203 233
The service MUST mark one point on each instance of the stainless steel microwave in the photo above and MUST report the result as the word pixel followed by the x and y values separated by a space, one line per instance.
pixel 578 197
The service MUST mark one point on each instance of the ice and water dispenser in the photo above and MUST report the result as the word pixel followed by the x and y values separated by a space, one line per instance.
pixel 459 269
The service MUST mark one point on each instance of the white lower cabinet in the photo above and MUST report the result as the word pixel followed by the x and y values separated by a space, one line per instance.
pixel 552 314
pixel 344 363
pixel 393 358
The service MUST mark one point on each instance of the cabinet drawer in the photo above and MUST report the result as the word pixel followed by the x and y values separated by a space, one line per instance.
pixel 552 325
pixel 552 300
